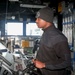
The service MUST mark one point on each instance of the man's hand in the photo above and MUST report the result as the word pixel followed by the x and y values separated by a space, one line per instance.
pixel 38 63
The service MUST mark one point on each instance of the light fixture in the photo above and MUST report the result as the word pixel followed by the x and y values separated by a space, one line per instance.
pixel 13 17
pixel 13 0
pixel 32 6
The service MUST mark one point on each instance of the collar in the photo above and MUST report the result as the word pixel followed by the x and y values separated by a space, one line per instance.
pixel 49 28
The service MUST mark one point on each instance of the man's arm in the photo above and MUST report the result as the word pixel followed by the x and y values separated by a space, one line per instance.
pixel 64 56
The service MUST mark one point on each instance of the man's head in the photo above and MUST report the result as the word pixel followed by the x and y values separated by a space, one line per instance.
pixel 46 15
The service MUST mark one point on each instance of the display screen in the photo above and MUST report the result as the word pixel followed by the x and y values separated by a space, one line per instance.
pixel 14 28
pixel 33 30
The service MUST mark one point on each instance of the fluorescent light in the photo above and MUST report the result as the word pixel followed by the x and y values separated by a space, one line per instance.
pixel 13 0
pixel 32 6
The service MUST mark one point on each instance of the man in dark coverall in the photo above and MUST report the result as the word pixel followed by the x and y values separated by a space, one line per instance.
pixel 53 56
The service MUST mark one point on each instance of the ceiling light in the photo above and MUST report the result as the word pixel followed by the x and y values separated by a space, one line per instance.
pixel 13 0
pixel 32 6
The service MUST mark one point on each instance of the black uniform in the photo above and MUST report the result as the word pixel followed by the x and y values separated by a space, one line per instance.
pixel 54 52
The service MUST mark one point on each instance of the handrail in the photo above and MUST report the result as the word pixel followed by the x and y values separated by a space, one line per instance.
pixel 5 60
